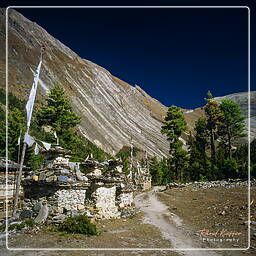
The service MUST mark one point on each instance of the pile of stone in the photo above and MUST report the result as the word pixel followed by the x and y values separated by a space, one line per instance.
pixel 63 188
pixel 176 185
pixel 230 183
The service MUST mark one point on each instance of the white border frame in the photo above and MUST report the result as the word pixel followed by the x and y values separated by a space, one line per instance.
pixel 134 249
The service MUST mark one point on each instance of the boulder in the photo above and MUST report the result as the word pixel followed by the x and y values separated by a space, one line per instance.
pixel 42 215
pixel 37 207
pixel 26 214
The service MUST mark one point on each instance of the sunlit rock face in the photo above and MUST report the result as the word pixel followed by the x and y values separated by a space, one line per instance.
pixel 112 111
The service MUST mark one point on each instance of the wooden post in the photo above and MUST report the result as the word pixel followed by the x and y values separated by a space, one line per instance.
pixel 18 180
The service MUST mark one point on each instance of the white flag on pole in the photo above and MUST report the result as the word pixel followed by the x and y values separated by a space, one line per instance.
pixel 19 137
pixel 32 96
pixel 47 146
pixel 18 141
pixel 29 140
pixel 37 149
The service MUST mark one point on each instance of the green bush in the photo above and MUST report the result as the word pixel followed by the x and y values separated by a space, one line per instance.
pixel 78 225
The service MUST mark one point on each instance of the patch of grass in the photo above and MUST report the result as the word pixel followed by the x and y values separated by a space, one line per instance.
pixel 78 225
pixel 19 226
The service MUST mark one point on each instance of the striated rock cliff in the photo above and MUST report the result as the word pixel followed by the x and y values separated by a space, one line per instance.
pixel 112 111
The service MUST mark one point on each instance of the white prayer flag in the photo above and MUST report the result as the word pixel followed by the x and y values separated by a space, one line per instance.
pixel 18 141
pixel 47 146
pixel 32 95
pixel 29 139
pixel 19 137
pixel 37 149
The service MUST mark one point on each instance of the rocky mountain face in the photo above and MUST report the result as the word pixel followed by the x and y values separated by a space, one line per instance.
pixel 112 112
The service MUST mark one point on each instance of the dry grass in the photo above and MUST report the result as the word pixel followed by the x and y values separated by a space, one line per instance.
pixel 213 209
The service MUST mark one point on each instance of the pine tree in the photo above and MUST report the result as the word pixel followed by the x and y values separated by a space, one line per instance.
pixel 214 118
pixel 232 126
pixel 58 112
pixel 16 124
pixel 173 127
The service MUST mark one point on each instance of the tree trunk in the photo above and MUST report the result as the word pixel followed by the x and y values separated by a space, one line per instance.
pixel 212 145
pixel 229 143
pixel 18 180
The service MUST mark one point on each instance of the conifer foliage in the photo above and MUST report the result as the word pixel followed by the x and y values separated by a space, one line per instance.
pixel 58 112
pixel 173 127
pixel 213 150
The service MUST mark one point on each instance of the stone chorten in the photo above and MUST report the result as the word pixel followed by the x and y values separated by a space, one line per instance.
pixel 99 190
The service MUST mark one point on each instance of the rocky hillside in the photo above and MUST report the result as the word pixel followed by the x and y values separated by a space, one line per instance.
pixel 112 111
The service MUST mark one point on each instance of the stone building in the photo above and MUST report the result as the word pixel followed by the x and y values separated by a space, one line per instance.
pixel 63 188
pixel 141 177
pixel 7 192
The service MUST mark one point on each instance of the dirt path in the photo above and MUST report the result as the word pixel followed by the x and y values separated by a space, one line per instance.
pixel 157 214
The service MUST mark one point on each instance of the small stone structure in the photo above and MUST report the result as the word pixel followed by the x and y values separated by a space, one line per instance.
pixel 7 192
pixel 99 190
pixel 141 177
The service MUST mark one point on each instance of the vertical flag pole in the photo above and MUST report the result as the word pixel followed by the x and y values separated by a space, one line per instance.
pixel 147 160
pixel 131 160
pixel 19 147
pixel 29 109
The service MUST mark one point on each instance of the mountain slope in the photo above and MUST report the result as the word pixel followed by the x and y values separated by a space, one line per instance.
pixel 112 111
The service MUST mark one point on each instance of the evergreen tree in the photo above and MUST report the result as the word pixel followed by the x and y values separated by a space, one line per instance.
pixel 173 127
pixel 213 118
pixel 253 158
pixel 232 125
pixel 155 171
pixel 58 112
pixel 253 151
pixel 202 137
pixel 16 125
pixel 159 171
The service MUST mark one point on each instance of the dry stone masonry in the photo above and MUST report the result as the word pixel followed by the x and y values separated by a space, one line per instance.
pixel 63 188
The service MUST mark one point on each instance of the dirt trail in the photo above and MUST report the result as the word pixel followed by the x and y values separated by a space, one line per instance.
pixel 157 214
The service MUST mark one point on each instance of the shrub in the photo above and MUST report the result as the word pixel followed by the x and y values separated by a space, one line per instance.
pixel 78 224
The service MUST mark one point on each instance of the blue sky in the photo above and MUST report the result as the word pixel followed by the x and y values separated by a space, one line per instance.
pixel 175 55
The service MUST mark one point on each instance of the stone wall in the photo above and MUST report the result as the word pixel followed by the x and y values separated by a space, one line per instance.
pixel 105 202
pixel 59 200
pixel 99 202
pixel 70 199
pixel 125 199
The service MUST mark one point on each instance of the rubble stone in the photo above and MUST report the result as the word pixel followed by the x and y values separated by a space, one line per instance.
pixel 26 214
pixel 92 188
pixel 37 207
pixel 42 215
